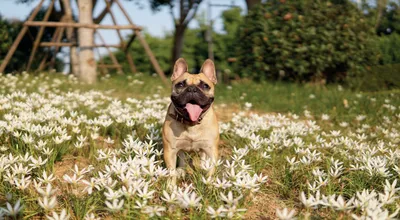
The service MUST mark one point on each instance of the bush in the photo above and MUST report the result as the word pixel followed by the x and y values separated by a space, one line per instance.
pixel 389 46
pixel 382 77
pixel 305 40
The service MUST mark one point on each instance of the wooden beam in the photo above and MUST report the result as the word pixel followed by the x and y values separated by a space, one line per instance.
pixel 39 36
pixel 80 25
pixel 112 66
pixel 108 45
pixel 111 54
pixel 19 38
pixel 103 13
pixel 121 39
pixel 146 47
pixel 56 38
pixel 131 39
pixel 69 44
pixel 102 70
pixel 58 44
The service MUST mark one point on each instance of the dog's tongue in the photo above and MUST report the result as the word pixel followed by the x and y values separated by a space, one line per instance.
pixel 194 111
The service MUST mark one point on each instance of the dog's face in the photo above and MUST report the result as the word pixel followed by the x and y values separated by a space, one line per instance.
pixel 193 94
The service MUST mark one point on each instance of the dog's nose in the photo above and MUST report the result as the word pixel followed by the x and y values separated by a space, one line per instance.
pixel 192 89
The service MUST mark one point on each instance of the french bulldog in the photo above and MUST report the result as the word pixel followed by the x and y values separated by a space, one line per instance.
pixel 191 123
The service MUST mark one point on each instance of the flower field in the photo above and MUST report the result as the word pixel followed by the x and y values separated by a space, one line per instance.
pixel 72 151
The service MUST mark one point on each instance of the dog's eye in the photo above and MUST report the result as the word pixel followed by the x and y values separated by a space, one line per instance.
pixel 180 84
pixel 205 86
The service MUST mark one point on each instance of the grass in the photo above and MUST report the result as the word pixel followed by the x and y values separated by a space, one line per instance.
pixel 316 139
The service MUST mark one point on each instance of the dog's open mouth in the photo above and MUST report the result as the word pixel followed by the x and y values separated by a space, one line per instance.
pixel 190 107
pixel 194 110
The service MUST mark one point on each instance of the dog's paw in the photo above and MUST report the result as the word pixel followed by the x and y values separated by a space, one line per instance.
pixel 171 182
pixel 180 172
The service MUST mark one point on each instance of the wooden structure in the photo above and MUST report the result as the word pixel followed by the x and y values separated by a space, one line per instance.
pixel 66 26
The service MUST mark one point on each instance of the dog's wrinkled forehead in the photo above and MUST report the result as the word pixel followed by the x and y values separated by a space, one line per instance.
pixel 192 79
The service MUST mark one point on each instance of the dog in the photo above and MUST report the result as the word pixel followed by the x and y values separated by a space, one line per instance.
pixel 191 123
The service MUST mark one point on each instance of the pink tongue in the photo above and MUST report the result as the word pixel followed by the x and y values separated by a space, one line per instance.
pixel 194 111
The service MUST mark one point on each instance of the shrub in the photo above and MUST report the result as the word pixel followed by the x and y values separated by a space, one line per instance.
pixel 389 46
pixel 305 40
pixel 376 78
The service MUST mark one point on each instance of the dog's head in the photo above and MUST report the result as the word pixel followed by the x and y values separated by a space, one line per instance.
pixel 193 94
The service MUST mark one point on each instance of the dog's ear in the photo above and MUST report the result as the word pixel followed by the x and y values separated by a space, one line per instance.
pixel 208 69
pixel 180 68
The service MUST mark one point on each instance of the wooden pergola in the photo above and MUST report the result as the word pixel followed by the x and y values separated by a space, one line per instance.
pixel 67 24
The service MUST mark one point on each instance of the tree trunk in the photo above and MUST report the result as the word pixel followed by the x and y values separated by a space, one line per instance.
pixel 251 3
pixel 73 53
pixel 178 43
pixel 87 63
pixel 381 7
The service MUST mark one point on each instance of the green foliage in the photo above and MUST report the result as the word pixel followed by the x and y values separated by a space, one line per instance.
pixel 390 20
pixel 9 30
pixel 195 49
pixel 161 47
pixel 305 40
pixel 377 78
pixel 389 46
pixel 225 44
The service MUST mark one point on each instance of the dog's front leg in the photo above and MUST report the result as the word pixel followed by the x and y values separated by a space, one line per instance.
pixel 212 153
pixel 170 156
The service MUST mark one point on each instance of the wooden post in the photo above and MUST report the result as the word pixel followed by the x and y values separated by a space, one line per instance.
pixel 87 61
pixel 73 54
pixel 39 36
pixel 19 38
pixel 121 39
pixel 113 58
pixel 145 46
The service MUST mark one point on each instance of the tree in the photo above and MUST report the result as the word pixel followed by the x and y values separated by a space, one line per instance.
pixel 9 30
pixel 187 11
pixel 87 62
pixel 251 3
pixel 83 62
pixel 305 41
pixel 381 6
pixel 390 21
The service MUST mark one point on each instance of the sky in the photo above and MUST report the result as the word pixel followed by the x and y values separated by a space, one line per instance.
pixel 156 24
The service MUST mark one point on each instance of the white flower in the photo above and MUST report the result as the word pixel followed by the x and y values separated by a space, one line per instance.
pixel 13 210
pixel 229 199
pixel 153 210
pixel 144 193
pixel 190 200
pixel 48 204
pixel 220 212
pixel 340 204
pixel 284 214
pixel 49 191
pixel 310 202
pixel 91 216
pixel 63 215
pixel 169 198
pixel 325 117
pixel 115 205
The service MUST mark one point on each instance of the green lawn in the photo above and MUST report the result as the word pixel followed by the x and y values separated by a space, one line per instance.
pixel 95 151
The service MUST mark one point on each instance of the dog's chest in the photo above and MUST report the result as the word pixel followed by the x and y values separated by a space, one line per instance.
pixel 192 139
